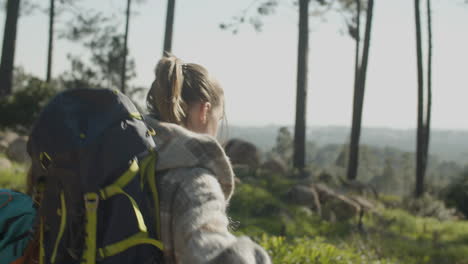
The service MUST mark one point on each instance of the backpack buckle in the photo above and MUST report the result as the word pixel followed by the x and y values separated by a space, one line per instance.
pixel 91 201
pixel 45 160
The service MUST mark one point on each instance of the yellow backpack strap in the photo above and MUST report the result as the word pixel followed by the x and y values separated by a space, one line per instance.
pixel 137 239
pixel 136 115
pixel 117 188
pixel 63 221
pixel 91 205
pixel 149 172
pixel 121 182
pixel 147 168
pixel 91 202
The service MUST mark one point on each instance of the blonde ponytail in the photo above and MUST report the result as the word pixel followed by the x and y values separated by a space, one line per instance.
pixel 176 77
pixel 178 85
pixel 166 91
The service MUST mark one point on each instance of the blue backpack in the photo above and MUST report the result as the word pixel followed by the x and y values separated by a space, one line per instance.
pixel 17 215
pixel 93 168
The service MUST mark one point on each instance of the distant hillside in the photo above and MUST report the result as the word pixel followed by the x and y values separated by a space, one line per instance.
pixel 445 144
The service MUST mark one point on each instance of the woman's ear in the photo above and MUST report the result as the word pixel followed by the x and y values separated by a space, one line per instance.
pixel 205 108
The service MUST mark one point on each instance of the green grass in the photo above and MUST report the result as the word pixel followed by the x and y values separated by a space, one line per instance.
pixel 292 234
pixel 14 178
pixel 317 251
pixel 419 239
pixel 391 235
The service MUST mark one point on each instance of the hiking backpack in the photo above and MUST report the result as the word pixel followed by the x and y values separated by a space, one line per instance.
pixel 93 165
pixel 16 221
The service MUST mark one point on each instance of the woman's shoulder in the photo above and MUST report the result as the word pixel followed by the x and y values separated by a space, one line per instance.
pixel 178 148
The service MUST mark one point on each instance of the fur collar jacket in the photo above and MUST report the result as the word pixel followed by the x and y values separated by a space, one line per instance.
pixel 195 182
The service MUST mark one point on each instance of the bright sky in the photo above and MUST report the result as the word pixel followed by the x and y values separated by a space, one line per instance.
pixel 258 70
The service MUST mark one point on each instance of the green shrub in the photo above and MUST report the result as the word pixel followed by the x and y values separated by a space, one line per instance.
pixel 20 109
pixel 456 194
pixel 429 206
pixel 14 178
pixel 390 201
pixel 413 239
pixel 294 234
pixel 275 183
pixel 260 206
pixel 315 250
pixel 254 201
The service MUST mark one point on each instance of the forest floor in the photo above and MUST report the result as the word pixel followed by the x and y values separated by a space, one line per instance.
pixel 294 235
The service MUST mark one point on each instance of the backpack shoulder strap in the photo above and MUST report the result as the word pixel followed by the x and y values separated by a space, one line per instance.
pixel 146 169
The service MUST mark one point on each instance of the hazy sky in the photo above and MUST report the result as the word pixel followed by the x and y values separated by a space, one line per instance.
pixel 258 70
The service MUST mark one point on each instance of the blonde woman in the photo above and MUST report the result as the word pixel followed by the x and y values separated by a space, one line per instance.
pixel 195 178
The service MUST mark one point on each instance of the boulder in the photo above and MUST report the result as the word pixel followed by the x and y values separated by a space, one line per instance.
pixel 301 195
pixel 275 165
pixel 5 164
pixel 8 136
pixel 241 152
pixel 365 204
pixel 324 191
pixel 305 196
pixel 336 206
pixel 327 178
pixel 360 188
pixel 17 150
pixel 241 171
pixel 3 146
pixel 340 208
pixel 328 203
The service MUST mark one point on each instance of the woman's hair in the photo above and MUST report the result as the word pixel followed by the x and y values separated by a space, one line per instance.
pixel 177 86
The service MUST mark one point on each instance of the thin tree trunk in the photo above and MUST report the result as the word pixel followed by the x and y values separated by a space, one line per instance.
pixel 169 26
pixel 429 87
pixel 353 148
pixel 301 95
pixel 358 43
pixel 8 50
pixel 419 190
pixel 365 55
pixel 357 56
pixel 51 40
pixel 125 49
pixel 359 97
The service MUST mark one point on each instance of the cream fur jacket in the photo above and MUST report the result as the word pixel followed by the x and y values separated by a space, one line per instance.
pixel 195 182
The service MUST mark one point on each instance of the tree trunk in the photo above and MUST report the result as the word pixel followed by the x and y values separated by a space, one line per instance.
pixel 125 49
pixel 353 148
pixel 419 190
pixel 51 40
pixel 301 95
pixel 358 44
pixel 427 132
pixel 359 90
pixel 169 26
pixel 8 50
